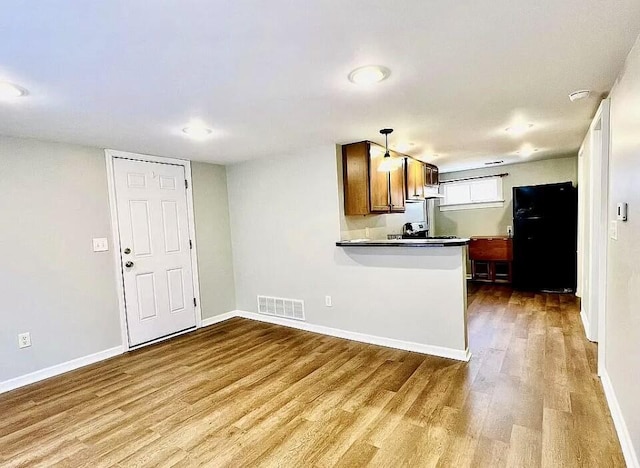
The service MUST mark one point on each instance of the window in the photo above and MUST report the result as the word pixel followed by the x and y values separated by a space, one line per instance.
pixel 472 194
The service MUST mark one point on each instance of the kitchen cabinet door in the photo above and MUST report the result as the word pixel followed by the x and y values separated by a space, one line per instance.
pixel 355 176
pixel 397 187
pixel 431 175
pixel 427 175
pixel 421 181
pixel 415 179
pixel 435 176
pixel 378 185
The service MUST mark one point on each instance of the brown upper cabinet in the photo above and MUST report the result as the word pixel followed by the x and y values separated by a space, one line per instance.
pixel 431 175
pixel 366 190
pixel 419 176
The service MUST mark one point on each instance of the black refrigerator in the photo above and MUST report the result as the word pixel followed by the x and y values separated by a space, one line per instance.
pixel 545 232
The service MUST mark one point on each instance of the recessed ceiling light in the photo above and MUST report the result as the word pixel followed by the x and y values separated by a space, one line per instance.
pixel 581 94
pixel 197 130
pixel 526 151
pixel 369 74
pixel 518 129
pixel 10 91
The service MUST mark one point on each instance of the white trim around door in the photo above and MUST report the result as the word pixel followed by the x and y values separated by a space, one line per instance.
pixel 603 116
pixel 115 232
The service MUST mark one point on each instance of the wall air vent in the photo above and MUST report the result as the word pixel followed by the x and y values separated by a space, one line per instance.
pixel 281 307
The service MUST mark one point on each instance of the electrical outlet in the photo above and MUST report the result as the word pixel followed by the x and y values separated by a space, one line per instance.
pixel 613 230
pixel 24 340
pixel 327 301
pixel 509 231
pixel 366 232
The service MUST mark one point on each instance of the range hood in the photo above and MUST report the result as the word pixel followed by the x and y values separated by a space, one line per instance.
pixel 430 194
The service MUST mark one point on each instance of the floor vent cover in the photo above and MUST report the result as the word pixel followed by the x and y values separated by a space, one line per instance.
pixel 281 307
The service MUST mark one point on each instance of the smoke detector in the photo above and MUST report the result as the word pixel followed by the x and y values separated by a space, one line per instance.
pixel 578 95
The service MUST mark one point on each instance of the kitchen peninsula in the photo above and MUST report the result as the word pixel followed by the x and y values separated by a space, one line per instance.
pixel 421 286
pixel 412 290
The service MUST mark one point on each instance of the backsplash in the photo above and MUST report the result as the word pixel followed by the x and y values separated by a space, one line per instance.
pixel 378 226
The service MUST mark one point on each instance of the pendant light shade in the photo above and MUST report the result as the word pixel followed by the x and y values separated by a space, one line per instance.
pixel 388 164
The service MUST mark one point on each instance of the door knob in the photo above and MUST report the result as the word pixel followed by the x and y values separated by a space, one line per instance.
pixel 128 264
pixel 127 251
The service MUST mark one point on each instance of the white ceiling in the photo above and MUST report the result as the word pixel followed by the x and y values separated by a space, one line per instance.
pixel 270 77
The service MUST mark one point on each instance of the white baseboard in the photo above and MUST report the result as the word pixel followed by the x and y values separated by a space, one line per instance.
pixel 585 324
pixel 630 455
pixel 58 369
pixel 361 337
pixel 218 318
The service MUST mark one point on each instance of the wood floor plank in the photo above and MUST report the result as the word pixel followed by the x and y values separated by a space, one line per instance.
pixel 245 393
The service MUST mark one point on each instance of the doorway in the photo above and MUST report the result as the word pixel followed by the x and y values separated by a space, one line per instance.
pixel 154 246
pixel 593 220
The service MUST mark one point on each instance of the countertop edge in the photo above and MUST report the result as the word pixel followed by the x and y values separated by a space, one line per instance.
pixel 448 243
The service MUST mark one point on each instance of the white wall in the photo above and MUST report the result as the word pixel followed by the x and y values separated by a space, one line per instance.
pixel 285 220
pixel 213 236
pixel 494 221
pixel 54 201
pixel 622 328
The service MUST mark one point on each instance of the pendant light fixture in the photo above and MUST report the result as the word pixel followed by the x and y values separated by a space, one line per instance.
pixel 387 164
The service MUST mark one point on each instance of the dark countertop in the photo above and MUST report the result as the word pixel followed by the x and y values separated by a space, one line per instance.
pixel 403 243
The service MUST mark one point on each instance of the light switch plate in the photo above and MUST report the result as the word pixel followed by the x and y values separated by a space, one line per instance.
pixel 100 244
pixel 613 230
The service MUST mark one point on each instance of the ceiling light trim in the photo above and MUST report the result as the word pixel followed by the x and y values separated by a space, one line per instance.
pixel 518 129
pixel 369 75
pixel 197 130
pixel 579 95
pixel 10 90
pixel 527 150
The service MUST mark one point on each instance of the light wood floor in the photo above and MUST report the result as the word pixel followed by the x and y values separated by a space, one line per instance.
pixel 244 393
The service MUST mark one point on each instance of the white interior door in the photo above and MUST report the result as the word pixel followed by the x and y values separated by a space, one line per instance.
pixel 153 220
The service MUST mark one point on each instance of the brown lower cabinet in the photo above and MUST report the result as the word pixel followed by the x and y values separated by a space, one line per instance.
pixel 491 259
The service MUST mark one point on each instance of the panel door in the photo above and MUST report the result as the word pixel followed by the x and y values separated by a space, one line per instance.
pixel 151 201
